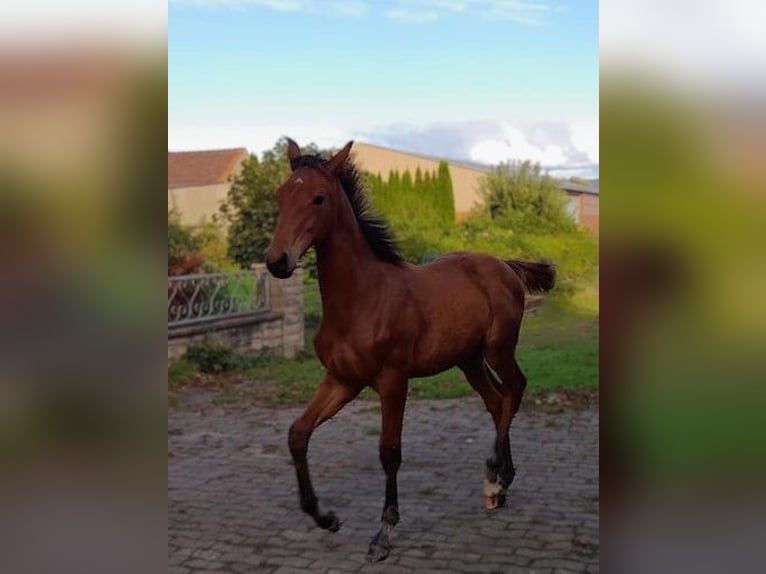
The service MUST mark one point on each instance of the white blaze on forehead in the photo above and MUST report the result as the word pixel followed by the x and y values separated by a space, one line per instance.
pixel 298 181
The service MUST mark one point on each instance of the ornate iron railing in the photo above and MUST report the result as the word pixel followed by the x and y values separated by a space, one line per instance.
pixel 194 299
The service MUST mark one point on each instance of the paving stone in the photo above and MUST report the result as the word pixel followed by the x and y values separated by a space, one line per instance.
pixel 233 504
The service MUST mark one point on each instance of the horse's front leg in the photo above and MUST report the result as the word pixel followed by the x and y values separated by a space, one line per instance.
pixel 393 396
pixel 329 398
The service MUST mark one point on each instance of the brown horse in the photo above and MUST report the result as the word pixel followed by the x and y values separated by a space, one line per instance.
pixel 385 321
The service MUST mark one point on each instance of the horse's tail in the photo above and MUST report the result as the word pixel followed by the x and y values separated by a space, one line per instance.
pixel 538 277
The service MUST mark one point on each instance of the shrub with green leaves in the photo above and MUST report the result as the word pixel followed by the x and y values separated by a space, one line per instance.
pixel 215 358
pixel 210 358
pixel 519 195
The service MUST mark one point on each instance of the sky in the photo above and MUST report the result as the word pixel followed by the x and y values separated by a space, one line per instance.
pixel 477 80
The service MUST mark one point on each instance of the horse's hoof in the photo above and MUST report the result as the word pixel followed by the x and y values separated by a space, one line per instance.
pixel 494 495
pixel 494 501
pixel 380 548
pixel 329 522
pixel 377 553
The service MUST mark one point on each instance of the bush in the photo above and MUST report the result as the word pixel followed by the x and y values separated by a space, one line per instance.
pixel 183 242
pixel 575 253
pixel 200 246
pixel 211 358
pixel 214 358
pixel 521 197
pixel 215 248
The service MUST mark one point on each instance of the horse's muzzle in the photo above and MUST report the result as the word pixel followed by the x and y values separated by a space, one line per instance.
pixel 281 268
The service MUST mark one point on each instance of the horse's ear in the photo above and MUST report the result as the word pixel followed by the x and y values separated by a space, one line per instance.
pixel 293 151
pixel 337 161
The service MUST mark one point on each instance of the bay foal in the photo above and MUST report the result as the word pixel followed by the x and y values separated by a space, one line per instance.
pixel 385 321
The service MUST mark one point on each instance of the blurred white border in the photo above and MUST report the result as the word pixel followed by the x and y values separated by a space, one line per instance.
pixel 715 45
pixel 41 22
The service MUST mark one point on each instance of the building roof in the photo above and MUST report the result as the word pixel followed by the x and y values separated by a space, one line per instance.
pixel 200 168
pixel 563 184
pixel 578 188
pixel 457 163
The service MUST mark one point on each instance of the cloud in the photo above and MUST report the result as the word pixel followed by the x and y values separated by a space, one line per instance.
pixel 256 136
pixel 514 145
pixel 349 8
pixel 407 15
pixel 524 12
pixel 279 5
pixel 517 11
pixel 565 148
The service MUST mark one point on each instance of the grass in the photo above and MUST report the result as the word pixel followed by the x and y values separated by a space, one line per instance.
pixel 181 372
pixel 558 350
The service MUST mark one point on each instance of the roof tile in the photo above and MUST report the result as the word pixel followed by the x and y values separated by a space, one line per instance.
pixel 198 168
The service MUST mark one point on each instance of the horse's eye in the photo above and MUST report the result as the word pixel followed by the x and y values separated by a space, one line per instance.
pixel 318 200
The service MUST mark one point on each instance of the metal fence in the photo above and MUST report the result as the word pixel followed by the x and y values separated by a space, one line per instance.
pixel 194 299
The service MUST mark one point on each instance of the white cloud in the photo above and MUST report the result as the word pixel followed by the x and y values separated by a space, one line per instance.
pixel 585 138
pixel 279 5
pixel 515 146
pixel 529 13
pixel 408 15
pixel 343 8
pixel 525 12
pixel 256 137
pixel 565 148
pixel 520 12
pixel 351 8
pixel 448 5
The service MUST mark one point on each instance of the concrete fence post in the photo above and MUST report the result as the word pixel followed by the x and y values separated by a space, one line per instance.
pixel 286 297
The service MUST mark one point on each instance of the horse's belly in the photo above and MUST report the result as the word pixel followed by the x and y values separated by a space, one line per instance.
pixel 440 350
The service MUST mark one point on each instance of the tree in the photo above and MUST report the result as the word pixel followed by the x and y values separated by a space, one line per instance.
pixel 407 182
pixel 445 199
pixel 250 209
pixel 519 195
pixel 394 183
pixel 418 178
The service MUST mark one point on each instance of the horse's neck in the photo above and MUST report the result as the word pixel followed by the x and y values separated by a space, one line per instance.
pixel 345 262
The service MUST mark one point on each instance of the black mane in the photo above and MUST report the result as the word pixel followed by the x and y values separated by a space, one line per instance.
pixel 375 230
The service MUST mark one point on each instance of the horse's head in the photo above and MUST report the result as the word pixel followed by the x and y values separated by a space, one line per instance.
pixel 307 202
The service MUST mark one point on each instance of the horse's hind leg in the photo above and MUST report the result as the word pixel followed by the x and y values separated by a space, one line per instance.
pixel 493 399
pixel 511 382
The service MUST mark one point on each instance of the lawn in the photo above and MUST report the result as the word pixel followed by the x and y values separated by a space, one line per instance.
pixel 558 350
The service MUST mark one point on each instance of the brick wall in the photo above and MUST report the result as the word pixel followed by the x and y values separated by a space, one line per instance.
pixel 278 331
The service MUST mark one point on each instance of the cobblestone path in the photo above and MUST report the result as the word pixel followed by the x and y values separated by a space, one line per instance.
pixel 233 504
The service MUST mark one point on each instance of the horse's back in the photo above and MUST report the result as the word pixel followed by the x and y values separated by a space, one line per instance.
pixel 458 298
pixel 483 283
pixel 489 274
